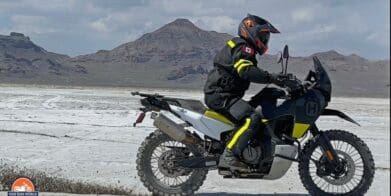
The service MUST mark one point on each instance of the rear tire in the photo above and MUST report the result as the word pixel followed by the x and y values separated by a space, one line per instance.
pixel 340 140
pixel 160 187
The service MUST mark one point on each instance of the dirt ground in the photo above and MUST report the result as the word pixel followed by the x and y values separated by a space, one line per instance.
pixel 86 134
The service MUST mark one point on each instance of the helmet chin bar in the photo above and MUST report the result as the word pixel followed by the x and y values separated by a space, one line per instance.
pixel 261 47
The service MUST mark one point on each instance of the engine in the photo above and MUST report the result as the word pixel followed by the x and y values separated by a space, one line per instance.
pixel 252 154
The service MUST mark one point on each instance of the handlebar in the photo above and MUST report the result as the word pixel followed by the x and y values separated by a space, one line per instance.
pixel 295 87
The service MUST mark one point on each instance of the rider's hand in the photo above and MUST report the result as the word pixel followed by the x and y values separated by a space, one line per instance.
pixel 279 79
pixel 295 87
pixel 289 81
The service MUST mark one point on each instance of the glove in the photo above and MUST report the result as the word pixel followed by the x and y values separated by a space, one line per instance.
pixel 278 79
pixel 295 87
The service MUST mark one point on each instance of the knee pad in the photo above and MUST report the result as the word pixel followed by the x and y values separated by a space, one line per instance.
pixel 255 116
pixel 255 122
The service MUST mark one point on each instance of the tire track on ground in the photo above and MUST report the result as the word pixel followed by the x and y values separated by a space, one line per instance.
pixel 11 103
pixel 59 137
pixel 28 133
pixel 51 103
pixel 71 123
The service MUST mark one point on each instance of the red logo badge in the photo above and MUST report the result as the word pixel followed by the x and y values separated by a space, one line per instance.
pixel 23 185
pixel 248 50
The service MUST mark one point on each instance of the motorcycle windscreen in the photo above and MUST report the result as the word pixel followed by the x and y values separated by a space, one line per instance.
pixel 323 79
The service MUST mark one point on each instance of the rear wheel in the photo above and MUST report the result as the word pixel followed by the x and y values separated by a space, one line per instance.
pixel 354 174
pixel 158 170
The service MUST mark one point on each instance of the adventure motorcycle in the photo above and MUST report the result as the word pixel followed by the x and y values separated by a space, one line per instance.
pixel 175 159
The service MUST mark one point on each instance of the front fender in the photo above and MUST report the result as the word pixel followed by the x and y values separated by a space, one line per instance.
pixel 331 112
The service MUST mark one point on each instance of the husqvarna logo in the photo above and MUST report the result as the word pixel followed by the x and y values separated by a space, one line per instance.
pixel 311 108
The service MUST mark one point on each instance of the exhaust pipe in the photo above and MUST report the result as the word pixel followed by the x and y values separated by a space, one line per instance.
pixel 174 130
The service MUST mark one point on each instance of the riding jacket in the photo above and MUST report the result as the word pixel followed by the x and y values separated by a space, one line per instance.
pixel 234 68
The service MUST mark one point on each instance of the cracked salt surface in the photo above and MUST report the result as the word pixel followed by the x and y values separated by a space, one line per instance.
pixel 87 134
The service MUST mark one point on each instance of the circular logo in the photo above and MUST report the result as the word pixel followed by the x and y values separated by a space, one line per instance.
pixel 23 185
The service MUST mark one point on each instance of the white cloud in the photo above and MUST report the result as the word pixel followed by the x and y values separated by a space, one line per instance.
pixel 218 23
pixel 30 24
pixel 100 26
pixel 302 15
pixel 378 38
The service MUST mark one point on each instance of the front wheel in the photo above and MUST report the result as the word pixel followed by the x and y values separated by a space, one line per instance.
pixel 353 177
pixel 157 168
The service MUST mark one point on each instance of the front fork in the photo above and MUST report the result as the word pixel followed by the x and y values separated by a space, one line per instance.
pixel 325 146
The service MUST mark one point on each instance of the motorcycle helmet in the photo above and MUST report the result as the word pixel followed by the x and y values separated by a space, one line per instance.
pixel 256 31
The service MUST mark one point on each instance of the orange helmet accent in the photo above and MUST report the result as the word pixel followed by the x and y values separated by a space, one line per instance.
pixel 248 23
pixel 244 33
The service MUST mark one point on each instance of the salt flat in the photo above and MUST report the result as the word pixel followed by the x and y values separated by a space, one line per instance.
pixel 87 134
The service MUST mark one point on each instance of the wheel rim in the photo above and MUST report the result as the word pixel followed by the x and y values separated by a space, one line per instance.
pixel 164 169
pixel 352 171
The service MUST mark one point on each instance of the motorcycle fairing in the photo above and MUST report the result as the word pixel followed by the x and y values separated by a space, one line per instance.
pixel 202 123
pixel 323 82
pixel 331 112
pixel 304 111
pixel 307 108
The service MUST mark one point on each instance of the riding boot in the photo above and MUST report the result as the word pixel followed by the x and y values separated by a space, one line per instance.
pixel 229 160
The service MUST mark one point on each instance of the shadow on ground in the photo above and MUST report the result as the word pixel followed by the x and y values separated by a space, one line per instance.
pixel 238 194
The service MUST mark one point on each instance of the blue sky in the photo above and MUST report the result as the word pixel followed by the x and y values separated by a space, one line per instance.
pixel 76 27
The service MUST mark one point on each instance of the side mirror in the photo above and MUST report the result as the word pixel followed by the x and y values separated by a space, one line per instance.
pixel 280 60
pixel 285 54
pixel 279 57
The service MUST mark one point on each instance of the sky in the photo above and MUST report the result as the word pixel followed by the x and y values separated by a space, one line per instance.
pixel 76 27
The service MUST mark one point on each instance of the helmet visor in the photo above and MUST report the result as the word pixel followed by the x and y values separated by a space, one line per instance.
pixel 264 36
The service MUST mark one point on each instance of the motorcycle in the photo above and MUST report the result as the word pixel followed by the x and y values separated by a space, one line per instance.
pixel 189 139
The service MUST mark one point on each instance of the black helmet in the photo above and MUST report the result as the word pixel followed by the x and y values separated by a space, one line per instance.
pixel 256 31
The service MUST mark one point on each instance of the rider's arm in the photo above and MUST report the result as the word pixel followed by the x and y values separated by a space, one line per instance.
pixel 245 64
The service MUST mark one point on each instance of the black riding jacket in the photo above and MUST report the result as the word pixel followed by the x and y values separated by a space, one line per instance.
pixel 235 67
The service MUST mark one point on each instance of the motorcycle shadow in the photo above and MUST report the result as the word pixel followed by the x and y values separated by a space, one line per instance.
pixel 238 194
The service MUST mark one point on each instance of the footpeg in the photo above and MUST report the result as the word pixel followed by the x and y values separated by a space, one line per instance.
pixel 225 173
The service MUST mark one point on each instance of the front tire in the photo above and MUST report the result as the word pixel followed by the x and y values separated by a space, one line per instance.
pixel 163 179
pixel 359 167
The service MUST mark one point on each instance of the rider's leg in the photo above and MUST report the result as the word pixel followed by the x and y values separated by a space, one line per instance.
pixel 267 99
pixel 250 124
pixel 241 138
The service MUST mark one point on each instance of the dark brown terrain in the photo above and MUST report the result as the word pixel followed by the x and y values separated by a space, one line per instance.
pixel 177 55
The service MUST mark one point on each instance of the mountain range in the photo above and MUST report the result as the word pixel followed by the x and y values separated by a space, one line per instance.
pixel 177 55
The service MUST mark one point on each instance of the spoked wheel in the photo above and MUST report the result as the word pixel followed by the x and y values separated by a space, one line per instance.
pixel 352 176
pixel 158 169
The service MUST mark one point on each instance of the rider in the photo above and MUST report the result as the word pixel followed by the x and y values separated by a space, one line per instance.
pixel 235 66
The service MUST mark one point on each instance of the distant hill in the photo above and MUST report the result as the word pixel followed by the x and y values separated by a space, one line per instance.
pixel 177 55
pixel 22 60
pixel 177 52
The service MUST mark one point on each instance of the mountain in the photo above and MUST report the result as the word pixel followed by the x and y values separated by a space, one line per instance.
pixel 179 51
pixel 177 55
pixel 21 61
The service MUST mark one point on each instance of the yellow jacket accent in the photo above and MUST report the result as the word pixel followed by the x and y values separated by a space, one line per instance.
pixel 242 63
pixel 231 43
